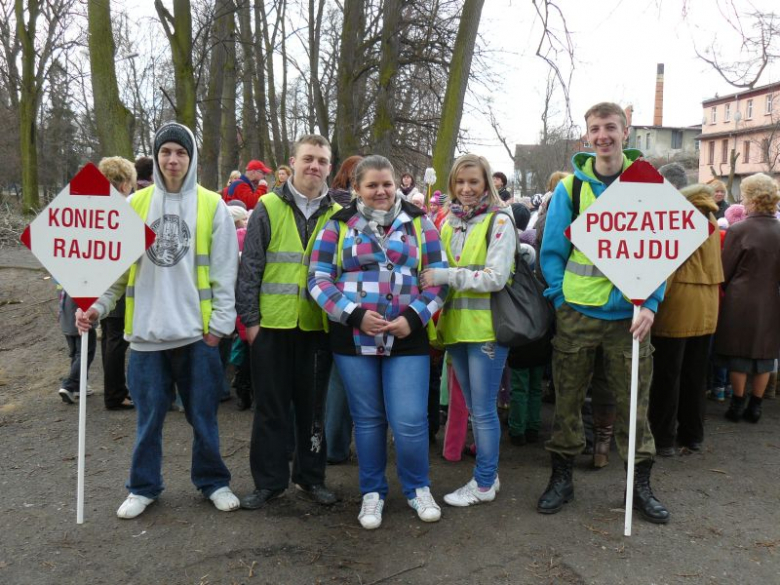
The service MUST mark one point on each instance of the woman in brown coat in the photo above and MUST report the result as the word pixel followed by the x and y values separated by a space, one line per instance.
pixel 748 336
pixel 682 333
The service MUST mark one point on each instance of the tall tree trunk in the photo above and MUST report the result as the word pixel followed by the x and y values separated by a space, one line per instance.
pixel 273 104
pixel 113 120
pixel 250 145
pixel 384 121
pixel 315 89
pixel 285 139
pixel 264 138
pixel 28 105
pixel 228 156
pixel 452 109
pixel 346 143
pixel 212 108
pixel 178 29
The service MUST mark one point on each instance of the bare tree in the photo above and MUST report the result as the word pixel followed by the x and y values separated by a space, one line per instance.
pixel 35 50
pixel 452 109
pixel 759 36
pixel 114 121
pixel 178 30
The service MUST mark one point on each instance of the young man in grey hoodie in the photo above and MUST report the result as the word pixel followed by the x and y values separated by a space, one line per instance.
pixel 180 303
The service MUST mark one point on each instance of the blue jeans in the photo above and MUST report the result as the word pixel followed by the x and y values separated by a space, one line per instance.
pixel 479 368
pixel 392 390
pixel 338 422
pixel 197 372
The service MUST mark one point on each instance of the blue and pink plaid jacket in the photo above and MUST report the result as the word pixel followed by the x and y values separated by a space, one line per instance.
pixel 376 277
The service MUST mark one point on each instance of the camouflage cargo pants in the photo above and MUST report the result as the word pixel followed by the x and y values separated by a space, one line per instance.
pixel 574 354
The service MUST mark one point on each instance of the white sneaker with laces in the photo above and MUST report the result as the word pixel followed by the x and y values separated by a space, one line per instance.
pixel 133 506
pixel 427 508
pixel 470 494
pixel 370 516
pixel 225 500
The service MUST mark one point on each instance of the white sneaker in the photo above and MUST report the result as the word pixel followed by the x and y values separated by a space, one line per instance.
pixel 427 508
pixel 470 494
pixel 133 506
pixel 225 500
pixel 370 516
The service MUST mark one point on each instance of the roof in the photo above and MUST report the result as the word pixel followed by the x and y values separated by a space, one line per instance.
pixel 744 94
pixel 684 128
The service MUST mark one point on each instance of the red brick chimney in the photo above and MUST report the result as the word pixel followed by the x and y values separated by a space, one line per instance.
pixel 629 111
pixel 658 115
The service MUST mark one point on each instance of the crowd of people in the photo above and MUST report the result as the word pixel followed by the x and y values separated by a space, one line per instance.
pixel 366 306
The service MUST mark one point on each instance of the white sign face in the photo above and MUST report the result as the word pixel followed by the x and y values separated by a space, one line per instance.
pixel 88 236
pixel 639 231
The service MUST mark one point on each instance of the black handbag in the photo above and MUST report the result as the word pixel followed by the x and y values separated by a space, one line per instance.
pixel 522 317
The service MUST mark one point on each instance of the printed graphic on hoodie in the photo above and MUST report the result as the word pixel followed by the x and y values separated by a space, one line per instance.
pixel 172 243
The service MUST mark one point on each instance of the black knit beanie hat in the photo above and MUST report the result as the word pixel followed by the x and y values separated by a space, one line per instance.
pixel 173 132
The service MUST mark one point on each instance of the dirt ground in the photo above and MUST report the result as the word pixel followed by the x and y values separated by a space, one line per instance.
pixel 725 502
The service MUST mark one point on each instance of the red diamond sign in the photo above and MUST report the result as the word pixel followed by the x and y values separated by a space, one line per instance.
pixel 639 231
pixel 88 236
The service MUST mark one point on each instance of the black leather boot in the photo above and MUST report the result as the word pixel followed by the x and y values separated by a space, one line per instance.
pixel 736 408
pixel 753 411
pixel 560 490
pixel 644 500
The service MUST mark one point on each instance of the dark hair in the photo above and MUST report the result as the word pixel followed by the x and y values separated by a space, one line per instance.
pixel 411 176
pixel 144 167
pixel 313 139
pixel 502 176
pixel 373 162
pixel 346 175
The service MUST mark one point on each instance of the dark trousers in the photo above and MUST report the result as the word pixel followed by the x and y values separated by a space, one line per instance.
pixel 677 395
pixel 113 348
pixel 289 366
pixel 71 383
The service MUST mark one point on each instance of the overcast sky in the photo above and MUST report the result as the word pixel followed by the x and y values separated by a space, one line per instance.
pixel 618 44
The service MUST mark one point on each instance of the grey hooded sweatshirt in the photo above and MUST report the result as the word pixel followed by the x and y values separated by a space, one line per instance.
pixel 167 304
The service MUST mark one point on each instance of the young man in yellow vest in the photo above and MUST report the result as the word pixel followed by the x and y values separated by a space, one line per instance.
pixel 180 302
pixel 593 315
pixel 289 350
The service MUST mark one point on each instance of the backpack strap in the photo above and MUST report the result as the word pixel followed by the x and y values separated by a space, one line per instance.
pixel 576 189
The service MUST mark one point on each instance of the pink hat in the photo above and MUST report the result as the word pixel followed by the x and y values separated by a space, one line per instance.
pixel 735 213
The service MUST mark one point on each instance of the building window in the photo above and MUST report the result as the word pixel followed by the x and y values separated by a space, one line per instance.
pixel 711 158
pixel 647 142
pixel 714 115
pixel 769 103
pixel 765 150
pixel 696 145
pixel 746 152
pixel 726 113
pixel 724 151
pixel 749 110
pixel 677 138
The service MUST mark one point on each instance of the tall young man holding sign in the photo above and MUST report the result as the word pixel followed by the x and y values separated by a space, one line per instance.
pixel 593 315
pixel 179 304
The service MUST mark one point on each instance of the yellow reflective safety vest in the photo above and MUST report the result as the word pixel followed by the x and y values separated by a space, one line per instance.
pixel 583 283
pixel 466 317
pixel 207 207
pixel 284 299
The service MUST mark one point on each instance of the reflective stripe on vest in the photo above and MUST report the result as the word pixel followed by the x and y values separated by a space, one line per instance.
pixel 285 302
pixel 207 207
pixel 466 316
pixel 583 283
